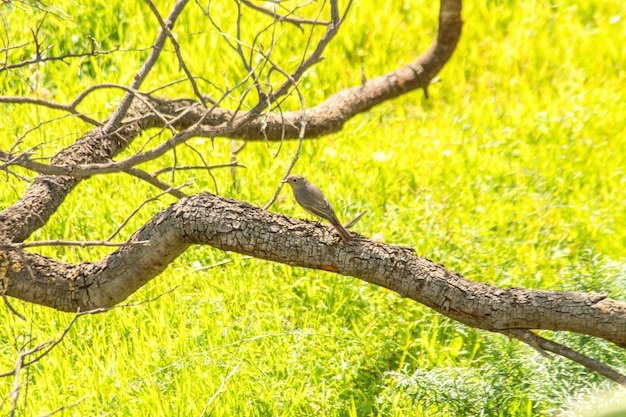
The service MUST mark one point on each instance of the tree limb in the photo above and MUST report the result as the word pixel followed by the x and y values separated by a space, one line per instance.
pixel 541 343
pixel 239 227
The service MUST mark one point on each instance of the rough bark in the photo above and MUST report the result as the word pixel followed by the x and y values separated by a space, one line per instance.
pixel 237 226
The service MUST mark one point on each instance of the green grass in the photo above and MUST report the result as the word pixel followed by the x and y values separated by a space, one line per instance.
pixel 512 173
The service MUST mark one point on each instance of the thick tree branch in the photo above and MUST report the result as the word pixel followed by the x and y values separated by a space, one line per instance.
pixel 93 153
pixel 47 193
pixel 239 227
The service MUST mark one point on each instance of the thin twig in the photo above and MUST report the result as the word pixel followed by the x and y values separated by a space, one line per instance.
pixel 165 28
pixel 51 344
pixel 12 309
pixel 298 21
pixel 65 407
pixel 537 341
pixel 50 104
pixel 152 180
pixel 220 263
pixel 354 221
pixel 300 140
pixel 233 161
pixel 316 55
pixel 244 61
pixel 19 365
pixel 221 387
pixel 197 167
pixel 41 59
pixel 82 244
pixel 130 216
pixel 121 110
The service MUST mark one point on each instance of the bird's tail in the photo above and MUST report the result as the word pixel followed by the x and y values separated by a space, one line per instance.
pixel 345 235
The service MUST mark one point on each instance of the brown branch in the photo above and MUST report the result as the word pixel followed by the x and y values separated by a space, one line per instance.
pixel 44 196
pixel 239 227
pixel 234 164
pixel 41 59
pixel 79 243
pixel 332 114
pixel 539 343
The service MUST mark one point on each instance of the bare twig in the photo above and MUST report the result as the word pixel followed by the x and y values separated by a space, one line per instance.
pixel 152 180
pixel 10 47
pixel 234 149
pixel 316 55
pixel 79 243
pixel 51 344
pixel 354 221
pixel 220 263
pixel 12 309
pixel 165 28
pixel 130 216
pixel 45 346
pixel 197 167
pixel 539 343
pixel 247 64
pixel 19 364
pixel 48 346
pixel 65 407
pixel 40 59
pixel 50 104
pixel 221 387
pixel 298 21
pixel 171 83
pixel 140 76
pixel 300 139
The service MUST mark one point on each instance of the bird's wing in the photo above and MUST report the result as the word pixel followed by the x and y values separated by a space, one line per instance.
pixel 321 209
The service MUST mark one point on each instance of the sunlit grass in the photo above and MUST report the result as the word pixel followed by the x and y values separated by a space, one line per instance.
pixel 512 173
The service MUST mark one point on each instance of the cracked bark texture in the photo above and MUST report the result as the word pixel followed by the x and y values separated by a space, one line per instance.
pixel 237 226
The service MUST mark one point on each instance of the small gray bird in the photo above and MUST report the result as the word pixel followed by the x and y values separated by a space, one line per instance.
pixel 313 201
